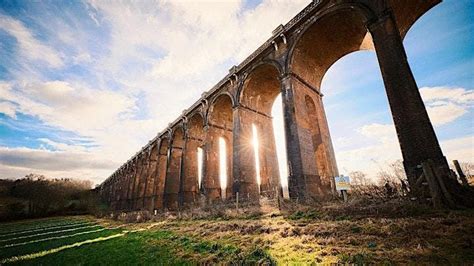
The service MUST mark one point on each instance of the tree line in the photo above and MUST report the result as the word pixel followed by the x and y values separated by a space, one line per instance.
pixel 38 196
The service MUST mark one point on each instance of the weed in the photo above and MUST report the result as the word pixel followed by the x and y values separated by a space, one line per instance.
pixel 357 259
pixel 304 215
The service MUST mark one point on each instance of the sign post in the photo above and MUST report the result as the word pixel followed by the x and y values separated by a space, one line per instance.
pixel 343 184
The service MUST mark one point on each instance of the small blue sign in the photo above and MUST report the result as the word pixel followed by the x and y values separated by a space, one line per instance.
pixel 342 182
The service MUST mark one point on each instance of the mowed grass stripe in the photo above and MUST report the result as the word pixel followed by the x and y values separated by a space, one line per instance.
pixel 55 250
pixel 52 238
pixel 47 245
pixel 131 249
pixel 144 247
pixel 42 236
pixel 47 233
pixel 19 233
pixel 34 222
pixel 41 226
pixel 17 229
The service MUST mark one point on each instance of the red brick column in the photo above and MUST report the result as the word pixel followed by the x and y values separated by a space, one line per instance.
pixel 244 174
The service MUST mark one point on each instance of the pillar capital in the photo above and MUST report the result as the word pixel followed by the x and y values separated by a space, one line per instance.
pixel 237 106
pixel 289 77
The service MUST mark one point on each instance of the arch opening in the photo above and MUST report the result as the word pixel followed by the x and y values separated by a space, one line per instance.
pixel 223 171
pixel 162 164
pixel 258 98
pixel 325 41
pixel 151 178
pixel 218 159
pixel 318 50
pixel 367 130
pixel 280 141
pixel 139 181
pixel 200 156
pixel 192 162
pixel 173 176
pixel 256 149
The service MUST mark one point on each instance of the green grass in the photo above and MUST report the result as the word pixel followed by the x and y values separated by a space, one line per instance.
pixel 36 225
pixel 51 244
pixel 49 233
pixel 150 247
pixel 126 247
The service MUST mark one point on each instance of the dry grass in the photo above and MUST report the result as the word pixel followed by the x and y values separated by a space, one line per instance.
pixel 391 232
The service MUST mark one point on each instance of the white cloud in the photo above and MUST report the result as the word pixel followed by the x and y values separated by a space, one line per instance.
pixel 104 117
pixel 42 159
pixel 461 149
pixel 17 162
pixel 59 146
pixel 29 46
pixel 65 106
pixel 382 147
pixel 182 50
pixel 445 104
pixel 458 95
pixel 8 109
pixel 379 132
pixel 441 114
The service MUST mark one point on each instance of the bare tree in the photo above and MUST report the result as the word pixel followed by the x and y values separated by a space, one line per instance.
pixel 393 175
pixel 467 168
pixel 358 178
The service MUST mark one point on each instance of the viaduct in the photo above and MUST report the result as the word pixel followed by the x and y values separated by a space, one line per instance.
pixel 166 175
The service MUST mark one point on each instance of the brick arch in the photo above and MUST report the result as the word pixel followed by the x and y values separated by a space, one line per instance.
pixel 151 176
pixel 260 87
pixel 324 39
pixel 257 96
pixel 251 72
pixel 178 135
pixel 220 124
pixel 220 110
pixel 195 139
pixel 343 28
pixel 407 12
pixel 173 176
pixel 160 177
pixel 195 125
pixel 139 176
pixel 331 36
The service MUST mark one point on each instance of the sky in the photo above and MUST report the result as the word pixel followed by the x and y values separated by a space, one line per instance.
pixel 85 84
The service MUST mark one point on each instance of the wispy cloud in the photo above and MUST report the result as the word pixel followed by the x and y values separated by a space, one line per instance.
pixel 30 47
pixel 446 104
pixel 8 109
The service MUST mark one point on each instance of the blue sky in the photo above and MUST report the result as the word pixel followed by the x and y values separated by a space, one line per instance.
pixel 85 84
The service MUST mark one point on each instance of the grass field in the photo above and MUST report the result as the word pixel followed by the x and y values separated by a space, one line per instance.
pixel 302 237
